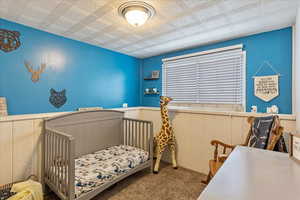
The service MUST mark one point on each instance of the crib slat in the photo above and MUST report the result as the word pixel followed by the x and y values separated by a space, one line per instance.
pixel 51 157
pixel 140 135
pixel 131 133
pixel 64 168
pixel 147 139
pixel 150 141
pixel 63 164
pixel 60 164
pixel 55 160
pixel 67 161
pixel 50 154
pixel 136 134
pixel 71 169
pixel 127 131
pixel 46 154
pixel 143 135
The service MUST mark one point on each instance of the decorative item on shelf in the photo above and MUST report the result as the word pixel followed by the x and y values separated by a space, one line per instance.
pixel 3 107
pixel 154 75
pixel 35 74
pixel 266 87
pixel 254 109
pixel 295 147
pixel 57 99
pixel 9 40
pixel 125 105
pixel 273 109
pixel 149 91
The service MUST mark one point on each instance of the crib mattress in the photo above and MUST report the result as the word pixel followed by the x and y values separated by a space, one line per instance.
pixel 103 166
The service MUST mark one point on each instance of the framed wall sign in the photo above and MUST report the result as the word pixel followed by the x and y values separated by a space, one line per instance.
pixel 266 87
pixel 295 147
pixel 155 74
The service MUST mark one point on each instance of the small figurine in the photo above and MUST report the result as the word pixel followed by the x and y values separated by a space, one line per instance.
pixel 254 109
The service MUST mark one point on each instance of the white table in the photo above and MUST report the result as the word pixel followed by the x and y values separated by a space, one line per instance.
pixel 254 174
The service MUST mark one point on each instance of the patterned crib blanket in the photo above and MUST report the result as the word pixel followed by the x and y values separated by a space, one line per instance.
pixel 103 166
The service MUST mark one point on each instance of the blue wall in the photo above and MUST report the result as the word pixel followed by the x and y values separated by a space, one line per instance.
pixel 94 76
pixel 274 46
pixel 91 75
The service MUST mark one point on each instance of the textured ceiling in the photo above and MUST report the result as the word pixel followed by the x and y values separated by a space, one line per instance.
pixel 178 24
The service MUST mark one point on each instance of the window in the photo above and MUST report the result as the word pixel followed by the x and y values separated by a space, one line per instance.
pixel 210 77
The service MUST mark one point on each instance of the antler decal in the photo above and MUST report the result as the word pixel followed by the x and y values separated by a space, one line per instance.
pixel 35 74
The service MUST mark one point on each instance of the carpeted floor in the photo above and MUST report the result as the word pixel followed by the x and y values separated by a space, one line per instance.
pixel 169 184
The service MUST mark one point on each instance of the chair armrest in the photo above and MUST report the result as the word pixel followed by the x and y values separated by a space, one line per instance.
pixel 217 142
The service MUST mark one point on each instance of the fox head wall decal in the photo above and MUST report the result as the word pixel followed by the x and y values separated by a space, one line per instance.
pixel 57 99
pixel 35 74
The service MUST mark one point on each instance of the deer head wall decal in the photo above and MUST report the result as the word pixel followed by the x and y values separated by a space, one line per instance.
pixel 35 74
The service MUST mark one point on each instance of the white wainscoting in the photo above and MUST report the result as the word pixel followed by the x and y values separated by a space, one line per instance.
pixel 20 138
pixel 20 145
pixel 195 130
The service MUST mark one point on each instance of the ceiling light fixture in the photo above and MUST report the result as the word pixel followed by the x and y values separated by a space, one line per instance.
pixel 136 12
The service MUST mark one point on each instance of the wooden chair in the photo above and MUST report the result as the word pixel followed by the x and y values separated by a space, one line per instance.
pixel 221 154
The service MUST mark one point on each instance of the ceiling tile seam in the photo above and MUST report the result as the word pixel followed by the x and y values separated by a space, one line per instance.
pixel 102 10
pixel 166 21
pixel 103 31
pixel 179 38
pixel 22 9
pixel 167 32
pixel 193 24
pixel 61 8
pixel 12 6
pixel 206 43
pixel 171 31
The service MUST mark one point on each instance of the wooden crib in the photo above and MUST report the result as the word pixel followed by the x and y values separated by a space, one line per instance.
pixel 72 136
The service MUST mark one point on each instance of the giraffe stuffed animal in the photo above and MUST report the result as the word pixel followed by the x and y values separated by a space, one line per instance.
pixel 165 138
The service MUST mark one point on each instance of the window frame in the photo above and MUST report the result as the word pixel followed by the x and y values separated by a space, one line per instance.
pixel 244 76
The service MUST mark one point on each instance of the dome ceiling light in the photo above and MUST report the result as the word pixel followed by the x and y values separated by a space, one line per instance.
pixel 136 12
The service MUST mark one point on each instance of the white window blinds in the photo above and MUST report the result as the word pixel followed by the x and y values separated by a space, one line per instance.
pixel 213 77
